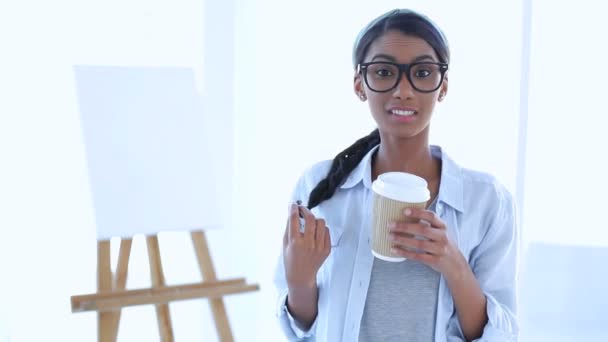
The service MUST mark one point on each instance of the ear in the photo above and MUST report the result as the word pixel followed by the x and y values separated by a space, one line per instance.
pixel 443 90
pixel 358 87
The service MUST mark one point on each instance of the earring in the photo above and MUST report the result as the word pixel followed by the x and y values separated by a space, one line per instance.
pixel 362 97
pixel 441 96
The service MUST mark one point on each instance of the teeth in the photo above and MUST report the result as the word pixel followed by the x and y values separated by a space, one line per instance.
pixel 402 112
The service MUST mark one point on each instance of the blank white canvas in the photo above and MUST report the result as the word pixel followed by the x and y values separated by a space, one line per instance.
pixel 147 152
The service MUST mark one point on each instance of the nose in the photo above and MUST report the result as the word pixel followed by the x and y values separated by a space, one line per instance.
pixel 404 89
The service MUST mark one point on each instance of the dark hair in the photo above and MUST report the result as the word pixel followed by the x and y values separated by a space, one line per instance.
pixel 403 20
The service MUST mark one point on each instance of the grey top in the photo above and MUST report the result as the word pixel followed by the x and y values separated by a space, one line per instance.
pixel 401 302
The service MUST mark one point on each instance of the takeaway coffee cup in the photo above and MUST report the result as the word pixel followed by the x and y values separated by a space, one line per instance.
pixel 393 192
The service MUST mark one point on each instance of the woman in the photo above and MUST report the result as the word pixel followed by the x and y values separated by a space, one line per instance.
pixel 460 283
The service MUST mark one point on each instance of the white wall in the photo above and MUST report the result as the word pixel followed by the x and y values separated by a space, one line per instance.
pixel 566 151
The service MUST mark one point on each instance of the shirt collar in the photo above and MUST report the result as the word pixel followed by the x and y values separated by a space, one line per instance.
pixel 364 168
pixel 450 188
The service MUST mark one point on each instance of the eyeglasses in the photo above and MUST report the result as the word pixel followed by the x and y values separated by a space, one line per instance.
pixel 425 77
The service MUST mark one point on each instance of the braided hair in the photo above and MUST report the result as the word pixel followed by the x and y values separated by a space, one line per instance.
pixel 407 22
pixel 341 167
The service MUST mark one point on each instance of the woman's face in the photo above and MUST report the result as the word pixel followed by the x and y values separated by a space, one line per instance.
pixel 402 112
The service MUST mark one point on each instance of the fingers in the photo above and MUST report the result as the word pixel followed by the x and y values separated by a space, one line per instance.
pixel 429 227
pixel 310 224
pixel 315 233
pixel 294 223
pixel 428 259
pixel 428 246
pixel 426 215
pixel 419 229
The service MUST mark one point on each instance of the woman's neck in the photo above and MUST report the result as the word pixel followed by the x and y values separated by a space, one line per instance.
pixel 406 155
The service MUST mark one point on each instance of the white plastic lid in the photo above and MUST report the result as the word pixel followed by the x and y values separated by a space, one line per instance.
pixel 401 186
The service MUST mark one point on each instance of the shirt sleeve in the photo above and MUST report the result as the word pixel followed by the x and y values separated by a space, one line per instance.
pixel 288 324
pixel 495 265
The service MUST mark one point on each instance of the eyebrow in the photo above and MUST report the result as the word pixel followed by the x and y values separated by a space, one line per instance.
pixel 393 59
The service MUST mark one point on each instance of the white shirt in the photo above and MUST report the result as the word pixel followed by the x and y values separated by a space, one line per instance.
pixel 480 217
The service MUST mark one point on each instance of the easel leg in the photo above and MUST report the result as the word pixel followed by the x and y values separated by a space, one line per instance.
pixel 104 284
pixel 158 280
pixel 208 272
pixel 120 280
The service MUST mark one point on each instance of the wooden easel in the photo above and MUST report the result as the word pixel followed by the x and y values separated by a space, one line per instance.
pixel 112 295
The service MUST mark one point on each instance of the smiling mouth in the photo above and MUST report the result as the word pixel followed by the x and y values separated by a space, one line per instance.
pixel 400 112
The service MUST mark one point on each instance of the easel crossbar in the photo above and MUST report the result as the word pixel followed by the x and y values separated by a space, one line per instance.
pixel 114 300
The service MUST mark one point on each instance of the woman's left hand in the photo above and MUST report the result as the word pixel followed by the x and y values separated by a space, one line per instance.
pixel 435 250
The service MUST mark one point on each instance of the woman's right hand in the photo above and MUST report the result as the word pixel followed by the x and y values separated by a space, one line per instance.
pixel 304 253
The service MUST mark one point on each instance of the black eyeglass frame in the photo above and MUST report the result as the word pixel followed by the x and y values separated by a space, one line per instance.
pixel 403 69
